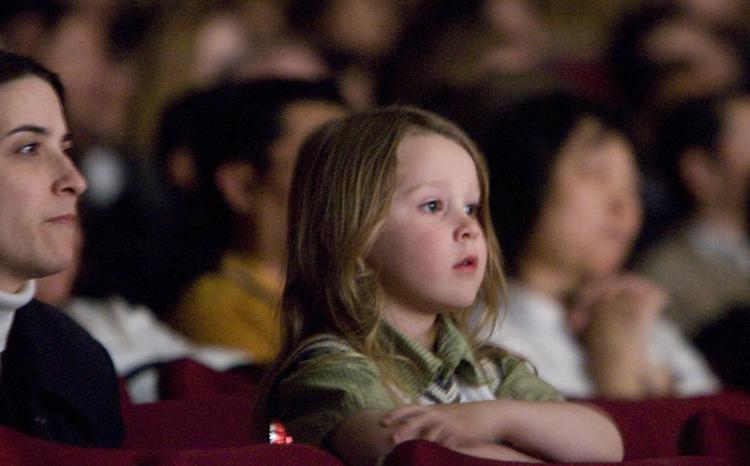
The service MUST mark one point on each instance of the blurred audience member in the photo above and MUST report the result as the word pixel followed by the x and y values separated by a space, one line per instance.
pixel 566 208
pixel 704 262
pixel 457 45
pixel 660 55
pixel 232 167
pixel 135 340
pixel 354 37
pixel 25 24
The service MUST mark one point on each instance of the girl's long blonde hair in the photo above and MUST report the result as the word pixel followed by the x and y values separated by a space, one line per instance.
pixel 341 191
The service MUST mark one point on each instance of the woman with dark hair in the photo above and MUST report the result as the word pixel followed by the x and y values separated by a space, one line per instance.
pixel 56 382
pixel 565 202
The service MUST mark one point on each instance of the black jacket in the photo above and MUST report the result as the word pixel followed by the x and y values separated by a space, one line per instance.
pixel 57 382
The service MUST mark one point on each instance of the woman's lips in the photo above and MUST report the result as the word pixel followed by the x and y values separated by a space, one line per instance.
pixel 67 219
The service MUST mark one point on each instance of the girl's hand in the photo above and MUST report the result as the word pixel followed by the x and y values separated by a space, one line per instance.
pixel 458 425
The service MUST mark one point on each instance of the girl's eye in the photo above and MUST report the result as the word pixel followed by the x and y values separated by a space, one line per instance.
pixel 471 209
pixel 431 206
pixel 67 148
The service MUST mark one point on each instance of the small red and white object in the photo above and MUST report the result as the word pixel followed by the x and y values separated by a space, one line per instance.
pixel 277 434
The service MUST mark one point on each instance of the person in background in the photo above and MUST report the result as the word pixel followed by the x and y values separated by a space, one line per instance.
pixel 233 174
pixel 391 249
pixel 566 206
pixel 56 382
pixel 135 339
pixel 703 154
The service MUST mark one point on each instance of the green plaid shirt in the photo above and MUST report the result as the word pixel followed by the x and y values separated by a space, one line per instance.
pixel 328 381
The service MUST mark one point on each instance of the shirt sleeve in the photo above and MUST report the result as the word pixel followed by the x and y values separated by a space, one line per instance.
pixel 690 372
pixel 519 381
pixel 321 392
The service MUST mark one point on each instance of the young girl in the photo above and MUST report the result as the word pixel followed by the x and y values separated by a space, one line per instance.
pixel 390 250
pixel 566 206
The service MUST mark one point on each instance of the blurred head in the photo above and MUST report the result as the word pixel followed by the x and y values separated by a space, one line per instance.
pixel 348 29
pixel 660 56
pixel 704 152
pixel 224 148
pixel 565 187
pixel 342 193
pixel 39 184
pixel 94 57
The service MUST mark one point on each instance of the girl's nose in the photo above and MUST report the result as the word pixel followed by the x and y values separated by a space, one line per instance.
pixel 467 229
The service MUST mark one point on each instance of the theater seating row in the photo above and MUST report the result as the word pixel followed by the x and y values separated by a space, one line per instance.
pixel 209 421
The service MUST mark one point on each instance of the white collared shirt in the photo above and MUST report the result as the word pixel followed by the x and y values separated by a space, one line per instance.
pixel 9 303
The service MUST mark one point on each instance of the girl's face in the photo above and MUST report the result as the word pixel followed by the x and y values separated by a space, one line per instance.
pixel 431 250
pixel 592 211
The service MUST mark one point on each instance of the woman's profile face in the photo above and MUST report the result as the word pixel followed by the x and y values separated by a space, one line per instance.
pixel 591 212
pixel 39 185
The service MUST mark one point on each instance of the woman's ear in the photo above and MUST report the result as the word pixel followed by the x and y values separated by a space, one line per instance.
pixel 699 175
pixel 235 180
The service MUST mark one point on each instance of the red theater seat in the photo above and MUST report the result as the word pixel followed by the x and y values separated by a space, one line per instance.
pixel 186 378
pixel 653 428
pixel 221 421
pixel 424 453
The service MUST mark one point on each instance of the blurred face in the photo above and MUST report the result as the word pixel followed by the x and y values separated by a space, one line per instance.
pixel 39 185
pixel 367 29
pixel 734 154
pixel 592 211
pixel 431 251
pixel 695 60
pixel 299 120
pixel 93 79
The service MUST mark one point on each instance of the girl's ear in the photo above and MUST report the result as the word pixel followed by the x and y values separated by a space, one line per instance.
pixel 235 180
pixel 698 173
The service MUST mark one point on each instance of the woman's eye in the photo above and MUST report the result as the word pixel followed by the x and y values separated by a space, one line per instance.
pixel 28 148
pixel 431 206
pixel 470 209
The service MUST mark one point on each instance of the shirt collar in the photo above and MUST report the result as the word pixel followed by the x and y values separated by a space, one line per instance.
pixel 420 366
pixel 9 303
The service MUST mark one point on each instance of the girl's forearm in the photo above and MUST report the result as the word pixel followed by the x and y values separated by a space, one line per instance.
pixel 560 431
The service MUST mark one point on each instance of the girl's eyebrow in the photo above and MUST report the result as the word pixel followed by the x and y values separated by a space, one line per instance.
pixel 426 184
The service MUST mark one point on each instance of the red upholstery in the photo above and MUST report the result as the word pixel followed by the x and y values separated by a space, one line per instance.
pixel 185 378
pixel 712 433
pixel 424 453
pixel 652 428
pixel 221 421
pixel 22 450
pixel 265 454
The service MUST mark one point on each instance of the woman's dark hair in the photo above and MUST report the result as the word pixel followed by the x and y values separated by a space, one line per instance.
pixel 522 151
pixel 14 66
